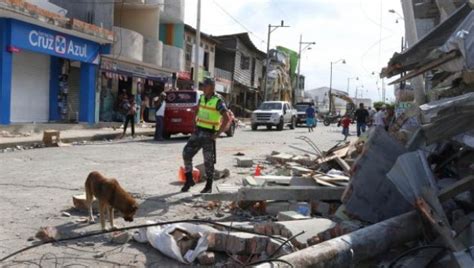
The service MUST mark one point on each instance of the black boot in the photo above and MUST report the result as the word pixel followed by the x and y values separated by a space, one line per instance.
pixel 189 182
pixel 208 188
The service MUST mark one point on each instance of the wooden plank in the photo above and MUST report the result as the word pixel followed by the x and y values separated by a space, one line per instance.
pixel 332 177
pixel 433 64
pixel 343 164
pixel 456 188
pixel 325 183
pixel 298 193
pixel 341 152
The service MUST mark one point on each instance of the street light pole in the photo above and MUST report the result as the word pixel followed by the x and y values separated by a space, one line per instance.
pixel 348 82
pixel 308 44
pixel 330 83
pixel 267 62
pixel 198 43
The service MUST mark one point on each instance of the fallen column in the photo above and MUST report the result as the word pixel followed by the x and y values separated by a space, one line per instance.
pixel 359 245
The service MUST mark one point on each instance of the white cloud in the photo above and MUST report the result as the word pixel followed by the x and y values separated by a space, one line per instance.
pixel 348 29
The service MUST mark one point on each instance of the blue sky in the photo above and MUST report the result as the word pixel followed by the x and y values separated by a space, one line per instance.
pixel 362 32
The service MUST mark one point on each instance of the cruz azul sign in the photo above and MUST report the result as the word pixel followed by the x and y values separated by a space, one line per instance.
pixel 34 38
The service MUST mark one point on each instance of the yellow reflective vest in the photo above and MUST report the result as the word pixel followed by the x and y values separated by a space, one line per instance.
pixel 208 116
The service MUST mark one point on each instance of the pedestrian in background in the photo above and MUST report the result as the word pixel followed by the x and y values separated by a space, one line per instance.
pixel 212 119
pixel 379 116
pixel 345 122
pixel 361 117
pixel 129 106
pixel 310 117
pixel 160 117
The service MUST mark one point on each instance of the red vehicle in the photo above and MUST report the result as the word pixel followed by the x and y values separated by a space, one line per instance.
pixel 180 113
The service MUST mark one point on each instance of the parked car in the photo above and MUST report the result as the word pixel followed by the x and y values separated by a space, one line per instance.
pixel 274 113
pixel 180 113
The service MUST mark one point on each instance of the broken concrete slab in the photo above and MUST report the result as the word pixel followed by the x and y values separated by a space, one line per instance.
pixel 244 162
pixel 371 196
pixel 290 216
pixel 299 193
pixel 280 158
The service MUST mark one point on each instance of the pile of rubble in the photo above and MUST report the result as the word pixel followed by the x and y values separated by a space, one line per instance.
pixel 402 198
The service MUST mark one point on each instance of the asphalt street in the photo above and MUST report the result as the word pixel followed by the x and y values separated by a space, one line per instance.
pixel 37 185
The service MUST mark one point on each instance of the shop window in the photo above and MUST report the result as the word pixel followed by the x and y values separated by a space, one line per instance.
pixel 206 61
pixel 244 62
pixel 189 52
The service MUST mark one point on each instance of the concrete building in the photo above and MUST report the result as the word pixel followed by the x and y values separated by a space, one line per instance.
pixel 48 64
pixel 147 51
pixel 321 99
pixel 421 16
pixel 237 55
pixel 207 56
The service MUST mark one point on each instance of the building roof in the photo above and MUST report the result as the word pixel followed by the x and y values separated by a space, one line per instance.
pixel 245 38
pixel 189 28
pixel 419 53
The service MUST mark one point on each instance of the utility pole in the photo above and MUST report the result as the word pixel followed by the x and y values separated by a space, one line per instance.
pixel 308 44
pixel 198 43
pixel 330 82
pixel 297 89
pixel 267 62
pixel 349 81
pixel 383 90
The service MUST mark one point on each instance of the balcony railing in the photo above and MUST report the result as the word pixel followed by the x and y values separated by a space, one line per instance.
pixel 223 74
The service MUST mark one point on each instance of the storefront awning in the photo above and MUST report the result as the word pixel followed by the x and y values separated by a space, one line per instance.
pixel 122 65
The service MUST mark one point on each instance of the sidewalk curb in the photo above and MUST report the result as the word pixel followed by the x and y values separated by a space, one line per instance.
pixel 94 137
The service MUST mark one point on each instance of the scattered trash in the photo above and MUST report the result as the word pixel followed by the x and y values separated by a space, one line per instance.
pixel 182 242
pixel 65 214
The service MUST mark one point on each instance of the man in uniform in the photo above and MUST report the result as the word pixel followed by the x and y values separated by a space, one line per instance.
pixel 212 119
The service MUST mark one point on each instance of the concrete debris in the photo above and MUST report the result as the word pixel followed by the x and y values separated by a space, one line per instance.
pixel 47 234
pixel 244 162
pixel 120 237
pixel 207 258
pixel 80 203
pixel 290 216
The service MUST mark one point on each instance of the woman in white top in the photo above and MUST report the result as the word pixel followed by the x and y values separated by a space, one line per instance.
pixel 160 115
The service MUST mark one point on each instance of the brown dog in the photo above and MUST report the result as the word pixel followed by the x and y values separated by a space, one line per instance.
pixel 111 196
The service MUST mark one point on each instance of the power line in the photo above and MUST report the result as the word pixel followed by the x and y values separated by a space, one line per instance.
pixel 238 22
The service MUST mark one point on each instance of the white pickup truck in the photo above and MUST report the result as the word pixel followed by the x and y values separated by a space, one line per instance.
pixel 274 113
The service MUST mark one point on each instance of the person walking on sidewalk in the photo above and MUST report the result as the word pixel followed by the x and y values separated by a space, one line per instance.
pixel 361 116
pixel 310 117
pixel 212 118
pixel 160 115
pixel 130 107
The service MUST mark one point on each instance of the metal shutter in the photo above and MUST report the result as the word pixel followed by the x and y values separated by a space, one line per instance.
pixel 30 87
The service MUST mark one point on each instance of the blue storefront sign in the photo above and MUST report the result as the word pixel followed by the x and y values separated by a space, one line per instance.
pixel 42 40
